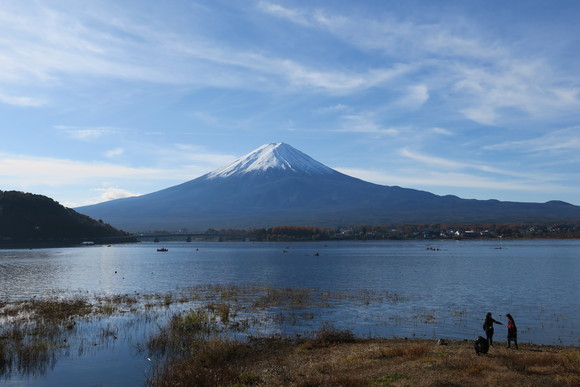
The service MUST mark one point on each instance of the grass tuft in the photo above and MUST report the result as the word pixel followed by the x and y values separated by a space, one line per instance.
pixel 329 335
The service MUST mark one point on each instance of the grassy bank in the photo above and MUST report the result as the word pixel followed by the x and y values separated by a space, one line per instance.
pixel 331 357
pixel 320 361
pixel 198 348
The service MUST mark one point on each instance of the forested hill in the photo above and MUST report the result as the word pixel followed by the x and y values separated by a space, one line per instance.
pixel 29 219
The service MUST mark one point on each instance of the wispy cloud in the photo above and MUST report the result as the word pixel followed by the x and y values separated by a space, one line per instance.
pixel 199 154
pixel 46 44
pixel 439 163
pixel 479 76
pixel 340 82
pixel 182 163
pixel 114 153
pixel 562 140
pixel 83 133
pixel 369 123
pixel 442 131
pixel 277 10
pixel 415 96
pixel 511 83
pixel 427 179
pixel 332 109
pixel 26 170
pixel 21 101
pixel 432 160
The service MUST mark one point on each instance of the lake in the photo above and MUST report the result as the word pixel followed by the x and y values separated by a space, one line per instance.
pixel 415 289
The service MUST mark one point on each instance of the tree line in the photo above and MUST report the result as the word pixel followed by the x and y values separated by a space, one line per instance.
pixel 411 231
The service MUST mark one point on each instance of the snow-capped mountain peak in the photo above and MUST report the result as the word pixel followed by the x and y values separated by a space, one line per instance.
pixel 272 157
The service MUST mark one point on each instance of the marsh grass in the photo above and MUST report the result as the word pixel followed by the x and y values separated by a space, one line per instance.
pixel 61 309
pixel 231 336
pixel 47 310
pixel 22 350
pixel 32 332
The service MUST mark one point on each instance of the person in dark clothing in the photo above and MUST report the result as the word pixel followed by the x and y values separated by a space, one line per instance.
pixel 481 345
pixel 512 331
pixel 488 327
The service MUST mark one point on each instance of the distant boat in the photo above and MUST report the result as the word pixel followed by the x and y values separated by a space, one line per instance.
pixel 88 243
pixel 163 249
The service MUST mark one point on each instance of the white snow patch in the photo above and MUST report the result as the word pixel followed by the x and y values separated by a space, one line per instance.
pixel 275 156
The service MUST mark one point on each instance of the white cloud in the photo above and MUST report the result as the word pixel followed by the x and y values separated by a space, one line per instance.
pixel 337 82
pixel 113 153
pixel 415 96
pixel 42 174
pixel 530 87
pixel 283 12
pixel 49 44
pixel 433 163
pixel 332 109
pixel 442 131
pixel 367 123
pixel 25 171
pixel 479 75
pixel 562 140
pixel 431 160
pixel 82 133
pixel 205 117
pixel 21 101
pixel 424 179
pixel 112 193
pixel 486 115
pixel 186 154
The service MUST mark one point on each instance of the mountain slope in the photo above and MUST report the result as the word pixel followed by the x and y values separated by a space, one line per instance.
pixel 279 185
pixel 28 219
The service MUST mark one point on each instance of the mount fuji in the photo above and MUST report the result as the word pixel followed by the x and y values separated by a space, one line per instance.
pixel 277 184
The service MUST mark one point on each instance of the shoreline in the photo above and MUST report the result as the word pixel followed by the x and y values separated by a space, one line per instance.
pixel 135 240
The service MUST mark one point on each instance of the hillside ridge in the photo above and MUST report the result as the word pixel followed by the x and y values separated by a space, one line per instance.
pixel 28 219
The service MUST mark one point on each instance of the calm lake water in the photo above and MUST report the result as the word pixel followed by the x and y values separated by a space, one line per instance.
pixel 415 289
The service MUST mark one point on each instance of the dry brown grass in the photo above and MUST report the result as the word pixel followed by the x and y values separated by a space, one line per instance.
pixel 369 362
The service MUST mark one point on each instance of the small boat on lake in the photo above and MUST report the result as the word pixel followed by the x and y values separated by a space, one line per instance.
pixel 163 249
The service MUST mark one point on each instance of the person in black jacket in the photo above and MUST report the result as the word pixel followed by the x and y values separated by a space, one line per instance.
pixel 481 345
pixel 512 331
pixel 488 327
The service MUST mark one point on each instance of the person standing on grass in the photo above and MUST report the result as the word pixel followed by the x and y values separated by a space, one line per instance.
pixel 512 331
pixel 488 327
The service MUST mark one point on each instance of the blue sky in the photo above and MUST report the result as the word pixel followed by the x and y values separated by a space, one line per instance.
pixel 105 99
